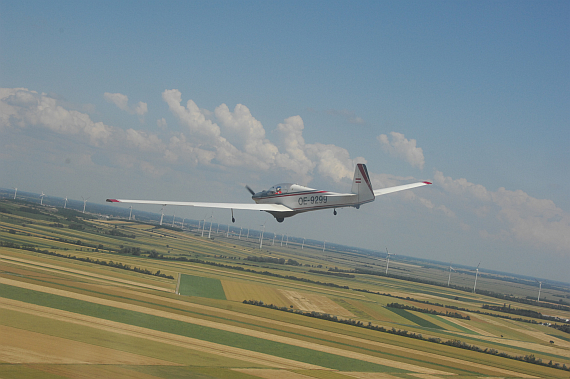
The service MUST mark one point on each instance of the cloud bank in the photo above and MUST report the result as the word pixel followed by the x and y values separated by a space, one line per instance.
pixel 235 141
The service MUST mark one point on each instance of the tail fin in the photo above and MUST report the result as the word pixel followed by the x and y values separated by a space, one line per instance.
pixel 361 184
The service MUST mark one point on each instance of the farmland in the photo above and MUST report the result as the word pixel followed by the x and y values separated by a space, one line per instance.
pixel 88 297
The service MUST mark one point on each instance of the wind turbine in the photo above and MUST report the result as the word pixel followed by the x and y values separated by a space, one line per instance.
pixel 261 239
pixel 173 218
pixel 211 221
pixel 15 192
pixel 324 245
pixel 387 260
pixel 85 202
pixel 539 289
pixel 65 204
pixel 42 198
pixel 476 275
pixel 303 245
pixel 162 214
pixel 131 212
pixel 449 279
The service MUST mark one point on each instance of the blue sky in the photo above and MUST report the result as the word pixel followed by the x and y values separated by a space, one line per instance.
pixel 192 100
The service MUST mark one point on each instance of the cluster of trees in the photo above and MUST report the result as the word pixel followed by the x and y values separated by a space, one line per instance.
pixel 117 233
pixel 279 261
pixel 340 274
pixel 430 311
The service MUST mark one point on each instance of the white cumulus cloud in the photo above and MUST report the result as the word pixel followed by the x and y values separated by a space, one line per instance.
pixel 122 102
pixel 400 147
pixel 20 107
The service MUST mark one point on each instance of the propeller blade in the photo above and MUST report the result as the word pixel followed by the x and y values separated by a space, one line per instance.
pixel 250 190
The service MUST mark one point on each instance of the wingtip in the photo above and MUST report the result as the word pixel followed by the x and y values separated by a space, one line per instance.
pixel 112 201
pixel 427 182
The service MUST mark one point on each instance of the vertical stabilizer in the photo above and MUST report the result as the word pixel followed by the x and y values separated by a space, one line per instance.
pixel 361 184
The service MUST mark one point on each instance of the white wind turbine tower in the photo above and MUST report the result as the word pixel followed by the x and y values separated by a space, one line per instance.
pixel 84 202
pixel 65 204
pixel 211 221
pixel 261 238
pixel 15 192
pixel 173 218
pixel 449 279
pixel 539 289
pixel 162 214
pixel 131 212
pixel 476 275
pixel 203 226
pixel 42 198
pixel 387 260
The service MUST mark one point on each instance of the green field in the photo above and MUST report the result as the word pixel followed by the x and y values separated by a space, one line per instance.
pixel 75 302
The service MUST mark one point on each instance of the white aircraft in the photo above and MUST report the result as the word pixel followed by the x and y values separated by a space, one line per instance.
pixel 287 199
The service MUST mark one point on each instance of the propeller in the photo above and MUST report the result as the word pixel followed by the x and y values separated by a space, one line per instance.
pixel 250 190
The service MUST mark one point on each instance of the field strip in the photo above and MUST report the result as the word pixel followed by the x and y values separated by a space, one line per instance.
pixel 336 336
pixel 472 328
pixel 229 328
pixel 71 271
pixel 371 375
pixel 157 336
pixel 316 303
pixel 544 337
pixel 265 279
pixel 272 374
pixel 533 333
pixel 19 346
pixel 529 346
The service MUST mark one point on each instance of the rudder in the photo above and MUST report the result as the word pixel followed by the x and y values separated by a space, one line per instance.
pixel 361 184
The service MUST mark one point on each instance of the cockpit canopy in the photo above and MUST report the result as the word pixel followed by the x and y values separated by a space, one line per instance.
pixel 283 188
pixel 279 189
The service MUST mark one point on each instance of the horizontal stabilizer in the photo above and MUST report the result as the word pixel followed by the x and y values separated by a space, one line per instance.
pixel 384 191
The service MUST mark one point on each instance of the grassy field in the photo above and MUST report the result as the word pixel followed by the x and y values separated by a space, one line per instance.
pixel 74 304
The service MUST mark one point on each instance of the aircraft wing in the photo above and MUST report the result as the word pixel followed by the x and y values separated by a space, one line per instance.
pixel 384 191
pixel 253 207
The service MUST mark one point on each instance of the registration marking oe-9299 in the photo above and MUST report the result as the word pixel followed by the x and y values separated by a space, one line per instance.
pixel 305 200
